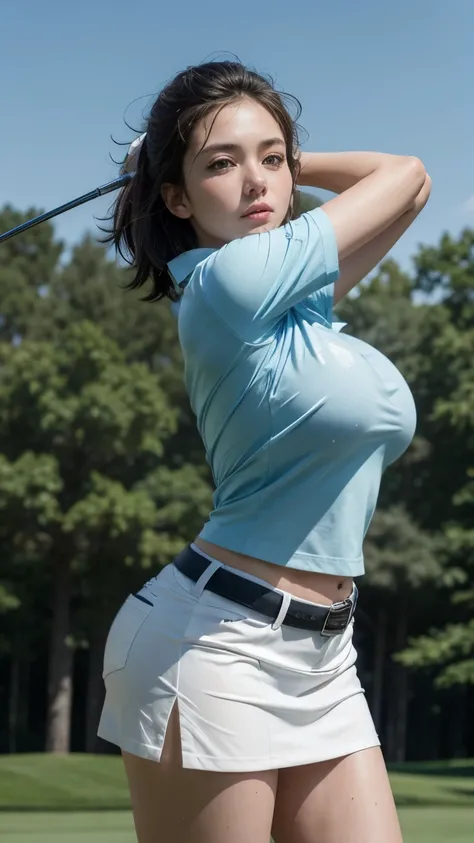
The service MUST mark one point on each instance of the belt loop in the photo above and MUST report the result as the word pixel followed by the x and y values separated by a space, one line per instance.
pixel 354 599
pixel 203 580
pixel 286 600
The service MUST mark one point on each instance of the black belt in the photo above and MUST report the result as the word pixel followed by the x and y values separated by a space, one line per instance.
pixel 331 620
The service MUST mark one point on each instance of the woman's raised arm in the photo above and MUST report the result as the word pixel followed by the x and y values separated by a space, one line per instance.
pixel 375 190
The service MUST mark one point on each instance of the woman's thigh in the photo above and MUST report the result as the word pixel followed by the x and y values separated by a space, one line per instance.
pixel 346 799
pixel 175 805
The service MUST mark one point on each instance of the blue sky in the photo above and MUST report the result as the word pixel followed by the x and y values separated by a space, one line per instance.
pixel 370 75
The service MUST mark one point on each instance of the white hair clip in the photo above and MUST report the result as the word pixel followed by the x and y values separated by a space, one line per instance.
pixel 132 154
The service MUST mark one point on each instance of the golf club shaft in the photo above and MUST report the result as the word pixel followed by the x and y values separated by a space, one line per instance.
pixel 93 194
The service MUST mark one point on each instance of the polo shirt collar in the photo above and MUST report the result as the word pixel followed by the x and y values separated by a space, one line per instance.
pixel 183 265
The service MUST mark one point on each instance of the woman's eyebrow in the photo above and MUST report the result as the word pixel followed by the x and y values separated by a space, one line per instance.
pixel 235 147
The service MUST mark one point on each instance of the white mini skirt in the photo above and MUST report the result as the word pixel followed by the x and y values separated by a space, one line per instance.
pixel 252 694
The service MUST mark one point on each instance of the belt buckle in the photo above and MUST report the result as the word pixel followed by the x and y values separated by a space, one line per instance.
pixel 338 618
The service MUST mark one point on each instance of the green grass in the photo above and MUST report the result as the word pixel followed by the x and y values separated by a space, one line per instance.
pixel 448 787
pixel 83 827
pixel 55 783
pixel 84 799
pixel 426 825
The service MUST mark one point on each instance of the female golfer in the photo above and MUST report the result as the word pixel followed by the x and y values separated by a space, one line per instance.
pixel 231 684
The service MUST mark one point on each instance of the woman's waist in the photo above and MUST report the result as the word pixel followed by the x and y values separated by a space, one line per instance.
pixel 306 585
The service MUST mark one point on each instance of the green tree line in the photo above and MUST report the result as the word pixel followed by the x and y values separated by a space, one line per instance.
pixel 103 479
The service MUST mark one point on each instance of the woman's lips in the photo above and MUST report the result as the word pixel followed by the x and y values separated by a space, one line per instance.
pixel 258 216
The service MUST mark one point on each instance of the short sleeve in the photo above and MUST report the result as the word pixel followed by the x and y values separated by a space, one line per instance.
pixel 252 282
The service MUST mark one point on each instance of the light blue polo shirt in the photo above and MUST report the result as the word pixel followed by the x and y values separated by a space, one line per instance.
pixel 298 420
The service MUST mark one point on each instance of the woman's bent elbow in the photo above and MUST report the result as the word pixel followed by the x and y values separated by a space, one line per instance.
pixel 415 173
pixel 423 195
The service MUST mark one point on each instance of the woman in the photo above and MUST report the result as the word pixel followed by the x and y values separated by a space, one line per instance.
pixel 234 668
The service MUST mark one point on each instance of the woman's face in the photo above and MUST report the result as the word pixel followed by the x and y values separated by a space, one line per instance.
pixel 236 175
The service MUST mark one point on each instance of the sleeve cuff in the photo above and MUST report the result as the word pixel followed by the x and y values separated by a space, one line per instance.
pixel 328 235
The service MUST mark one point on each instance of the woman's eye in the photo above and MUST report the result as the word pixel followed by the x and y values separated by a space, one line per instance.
pixel 220 164
pixel 274 160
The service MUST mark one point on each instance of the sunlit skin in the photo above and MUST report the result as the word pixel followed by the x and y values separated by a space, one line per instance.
pixel 235 161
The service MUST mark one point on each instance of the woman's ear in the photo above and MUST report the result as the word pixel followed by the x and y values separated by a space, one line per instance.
pixel 176 201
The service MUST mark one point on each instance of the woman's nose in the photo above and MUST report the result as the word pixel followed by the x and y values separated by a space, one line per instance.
pixel 255 184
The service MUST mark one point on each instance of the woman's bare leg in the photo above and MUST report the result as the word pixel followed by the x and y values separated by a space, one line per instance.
pixel 174 805
pixel 348 799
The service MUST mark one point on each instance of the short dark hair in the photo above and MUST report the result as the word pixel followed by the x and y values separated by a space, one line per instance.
pixel 145 233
